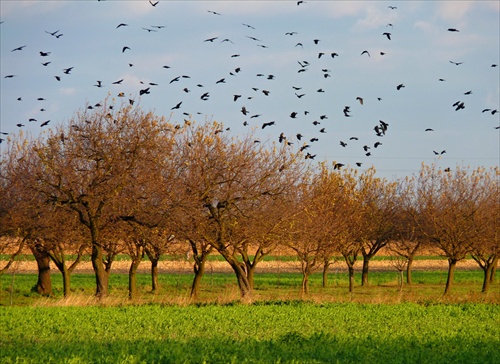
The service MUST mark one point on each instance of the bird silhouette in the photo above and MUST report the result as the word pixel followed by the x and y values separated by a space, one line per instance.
pixel 388 35
pixel 44 54
pixel 456 63
pixel 452 30
pixel 365 52
pixel 268 124
pixel 153 4
pixel 400 86
pixel 18 48
pixel 125 48
pixel 178 106
pixel 121 25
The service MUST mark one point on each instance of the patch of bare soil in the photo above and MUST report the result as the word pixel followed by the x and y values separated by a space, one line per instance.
pixel 263 267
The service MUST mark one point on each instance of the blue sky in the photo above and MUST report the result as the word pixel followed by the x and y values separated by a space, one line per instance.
pixel 417 56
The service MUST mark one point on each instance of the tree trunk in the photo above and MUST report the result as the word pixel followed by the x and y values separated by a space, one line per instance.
pixel 155 285
pixel 101 277
pixel 351 278
pixel 132 278
pixel 44 284
pixel 250 275
pixel 66 276
pixel 195 286
pixel 241 276
pixel 305 283
pixel 326 265
pixel 488 273
pixel 408 270
pixel 494 269
pixel 452 263
pixel 364 273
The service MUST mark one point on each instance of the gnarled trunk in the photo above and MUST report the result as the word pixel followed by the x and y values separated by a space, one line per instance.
pixel 101 277
pixel 44 283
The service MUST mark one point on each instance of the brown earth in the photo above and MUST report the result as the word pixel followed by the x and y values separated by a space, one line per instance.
pixel 263 267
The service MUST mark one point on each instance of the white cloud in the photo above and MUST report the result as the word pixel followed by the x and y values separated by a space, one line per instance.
pixel 28 8
pixel 67 90
pixel 454 10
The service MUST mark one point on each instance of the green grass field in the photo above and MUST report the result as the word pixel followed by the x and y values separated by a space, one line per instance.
pixel 264 332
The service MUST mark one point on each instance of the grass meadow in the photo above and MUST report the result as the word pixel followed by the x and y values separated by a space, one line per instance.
pixel 378 323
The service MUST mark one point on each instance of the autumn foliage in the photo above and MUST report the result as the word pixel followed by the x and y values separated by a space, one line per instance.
pixel 117 180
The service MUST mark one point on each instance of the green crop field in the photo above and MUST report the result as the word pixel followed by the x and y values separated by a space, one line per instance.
pixel 265 332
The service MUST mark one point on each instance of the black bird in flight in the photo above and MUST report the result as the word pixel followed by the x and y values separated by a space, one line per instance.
pixel 119 82
pixel 388 35
pixel 45 123
pixel 268 124
pixel 153 4
pixel 338 166
pixel 248 26
pixel 44 54
pixel 365 52
pixel 452 30
pixel 178 106
pixel 392 7
pixel 122 25
pixel 67 70
pixel 125 48
pixel 400 86
pixel 293 115
pixel 211 39
pixel 18 48
pixel 213 12
pixel 52 33
pixel 456 63
pixel 429 129
pixel 439 153
pixel 144 91
pixel 46 64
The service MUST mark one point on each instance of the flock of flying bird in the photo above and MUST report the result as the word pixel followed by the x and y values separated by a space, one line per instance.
pixel 303 144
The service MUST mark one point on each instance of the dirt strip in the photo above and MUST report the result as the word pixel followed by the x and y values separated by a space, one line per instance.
pixel 262 267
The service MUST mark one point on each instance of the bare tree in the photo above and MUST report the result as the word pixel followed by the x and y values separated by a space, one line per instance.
pixel 449 203
pixel 86 165
pixel 228 177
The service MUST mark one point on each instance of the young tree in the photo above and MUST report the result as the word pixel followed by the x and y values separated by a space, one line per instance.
pixel 376 202
pixel 486 247
pixel 449 202
pixel 227 178
pixel 86 165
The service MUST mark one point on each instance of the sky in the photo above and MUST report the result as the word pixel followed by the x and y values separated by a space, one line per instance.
pixel 266 52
